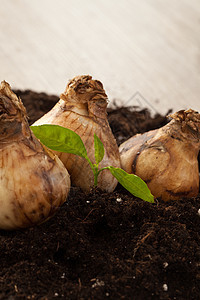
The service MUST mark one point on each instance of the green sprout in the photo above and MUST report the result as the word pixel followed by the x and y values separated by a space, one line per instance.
pixel 63 139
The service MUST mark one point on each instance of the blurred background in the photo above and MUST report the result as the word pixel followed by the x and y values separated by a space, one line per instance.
pixel 145 52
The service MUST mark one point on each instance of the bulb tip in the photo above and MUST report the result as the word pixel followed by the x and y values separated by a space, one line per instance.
pixel 9 100
pixel 83 89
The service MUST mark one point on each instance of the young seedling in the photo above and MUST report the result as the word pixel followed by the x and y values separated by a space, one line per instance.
pixel 62 139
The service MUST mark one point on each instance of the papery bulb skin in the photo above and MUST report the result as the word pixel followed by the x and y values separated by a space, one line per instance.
pixel 33 181
pixel 82 108
pixel 167 158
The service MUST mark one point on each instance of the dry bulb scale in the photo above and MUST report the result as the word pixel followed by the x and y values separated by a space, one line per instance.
pixel 33 181
pixel 167 158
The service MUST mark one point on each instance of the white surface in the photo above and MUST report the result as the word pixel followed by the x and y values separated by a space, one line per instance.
pixel 149 48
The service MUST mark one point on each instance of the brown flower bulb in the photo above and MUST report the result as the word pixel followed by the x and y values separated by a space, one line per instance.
pixel 166 158
pixel 82 108
pixel 33 181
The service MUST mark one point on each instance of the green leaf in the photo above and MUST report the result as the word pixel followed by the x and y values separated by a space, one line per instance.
pixel 60 139
pixel 99 149
pixel 134 184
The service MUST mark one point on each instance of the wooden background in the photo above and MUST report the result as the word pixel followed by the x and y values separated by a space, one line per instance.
pixel 146 52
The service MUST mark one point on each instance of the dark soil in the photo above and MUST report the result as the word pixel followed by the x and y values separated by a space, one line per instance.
pixel 105 246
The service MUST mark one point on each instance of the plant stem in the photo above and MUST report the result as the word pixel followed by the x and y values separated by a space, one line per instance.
pixel 95 171
pixel 95 179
